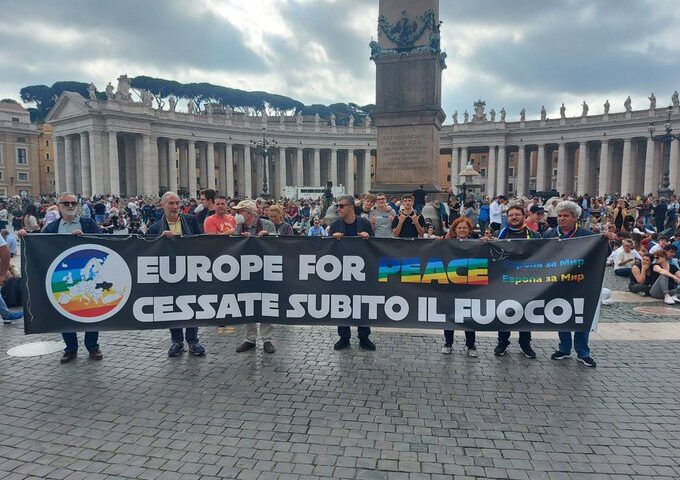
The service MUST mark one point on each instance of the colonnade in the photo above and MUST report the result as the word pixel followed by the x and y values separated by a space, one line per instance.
pixel 92 162
pixel 608 165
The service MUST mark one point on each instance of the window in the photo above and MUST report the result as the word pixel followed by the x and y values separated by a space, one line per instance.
pixel 47 156
pixel 48 169
pixel 511 187
pixel 448 178
pixel 22 176
pixel 511 172
pixel 482 172
pixel 21 139
pixel 47 143
pixel 15 119
pixel 2 176
pixel 21 156
pixel 554 172
pixel 448 165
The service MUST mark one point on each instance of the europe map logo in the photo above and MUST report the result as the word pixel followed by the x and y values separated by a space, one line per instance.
pixel 88 283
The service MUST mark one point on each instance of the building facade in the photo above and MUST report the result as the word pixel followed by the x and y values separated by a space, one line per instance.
pixel 124 147
pixel 19 171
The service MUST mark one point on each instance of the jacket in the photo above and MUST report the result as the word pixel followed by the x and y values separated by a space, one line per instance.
pixel 87 225
pixel 190 225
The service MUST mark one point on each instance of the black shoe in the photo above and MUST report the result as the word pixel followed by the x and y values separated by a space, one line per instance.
pixel 68 357
pixel 196 349
pixel 245 346
pixel 587 361
pixel 341 344
pixel 528 351
pixel 268 347
pixel 366 344
pixel 96 354
pixel 500 350
pixel 175 349
pixel 560 355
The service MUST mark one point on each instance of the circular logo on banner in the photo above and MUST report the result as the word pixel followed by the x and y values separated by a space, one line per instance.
pixel 88 283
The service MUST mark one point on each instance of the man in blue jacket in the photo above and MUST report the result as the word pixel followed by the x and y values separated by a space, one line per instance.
pixel 70 223
pixel 173 223
pixel 568 214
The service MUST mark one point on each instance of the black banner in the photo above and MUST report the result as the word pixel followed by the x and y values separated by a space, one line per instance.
pixel 132 283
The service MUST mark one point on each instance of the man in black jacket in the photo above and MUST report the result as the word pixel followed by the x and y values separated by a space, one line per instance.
pixel 173 223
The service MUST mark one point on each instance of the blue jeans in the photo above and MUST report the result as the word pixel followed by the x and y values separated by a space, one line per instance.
pixel 99 218
pixel 580 343
pixel 4 311
pixel 178 335
pixel 71 341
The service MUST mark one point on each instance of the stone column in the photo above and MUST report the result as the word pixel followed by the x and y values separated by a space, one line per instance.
pixel 152 180
pixel 521 187
pixel 247 173
pixel 502 171
pixel 163 161
pixel 605 169
pixel 316 168
pixel 183 167
pixel 140 167
pixel 299 174
pixel 211 166
pixel 463 159
pixel 541 176
pixel 202 166
pixel 367 171
pixel 626 166
pixel 99 183
pixel 334 166
pixel 191 168
pixel 229 169
pixel 70 164
pixel 650 180
pixel 491 173
pixel 114 169
pixel 349 188
pixel 562 168
pixel 673 171
pixel 455 167
pixel 282 170
pixel 582 169
pixel 85 179
pixel 172 165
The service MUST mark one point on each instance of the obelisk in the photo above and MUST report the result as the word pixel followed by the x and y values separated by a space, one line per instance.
pixel 408 112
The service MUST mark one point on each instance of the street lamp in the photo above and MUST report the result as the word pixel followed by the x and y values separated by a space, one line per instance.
pixel 666 139
pixel 264 147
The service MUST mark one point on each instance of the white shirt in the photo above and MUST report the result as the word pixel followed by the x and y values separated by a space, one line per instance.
pixel 495 212
pixel 614 254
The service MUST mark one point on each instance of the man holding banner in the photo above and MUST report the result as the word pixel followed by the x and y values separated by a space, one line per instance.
pixel 568 214
pixel 351 225
pixel 255 226
pixel 71 224
pixel 172 224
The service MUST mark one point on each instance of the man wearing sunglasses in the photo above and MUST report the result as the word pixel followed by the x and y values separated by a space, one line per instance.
pixel 70 223
pixel 351 225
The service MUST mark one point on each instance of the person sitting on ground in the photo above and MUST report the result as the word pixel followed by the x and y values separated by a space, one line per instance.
pixel 664 279
pixel 660 244
pixel 624 258
pixel 641 275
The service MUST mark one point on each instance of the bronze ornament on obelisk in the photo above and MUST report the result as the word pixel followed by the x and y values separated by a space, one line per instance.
pixel 408 113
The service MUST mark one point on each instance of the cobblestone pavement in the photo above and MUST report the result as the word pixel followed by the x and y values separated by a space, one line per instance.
pixel 404 411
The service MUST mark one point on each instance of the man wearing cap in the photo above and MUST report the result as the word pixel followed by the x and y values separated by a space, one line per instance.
pixel 254 226
pixel 351 225
pixel 516 229
pixel 535 220
pixel 172 224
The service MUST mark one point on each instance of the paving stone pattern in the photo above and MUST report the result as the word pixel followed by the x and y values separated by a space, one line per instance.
pixel 404 411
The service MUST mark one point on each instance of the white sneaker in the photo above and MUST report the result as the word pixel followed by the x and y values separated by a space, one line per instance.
pixel 608 301
pixel 675 299
pixel 642 294
pixel 472 352
pixel 668 300
pixel 447 350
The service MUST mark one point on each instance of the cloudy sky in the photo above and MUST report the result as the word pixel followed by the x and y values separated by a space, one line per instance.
pixel 511 53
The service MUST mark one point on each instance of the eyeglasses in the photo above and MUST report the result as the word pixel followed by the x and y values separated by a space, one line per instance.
pixel 342 205
pixel 68 204
pixel 381 199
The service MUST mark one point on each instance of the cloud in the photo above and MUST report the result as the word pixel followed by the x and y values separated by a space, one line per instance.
pixel 513 54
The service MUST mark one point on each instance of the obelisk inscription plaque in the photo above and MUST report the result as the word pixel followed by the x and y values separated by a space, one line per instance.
pixel 408 111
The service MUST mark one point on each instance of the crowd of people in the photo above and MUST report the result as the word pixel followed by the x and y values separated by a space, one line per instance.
pixel 642 235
